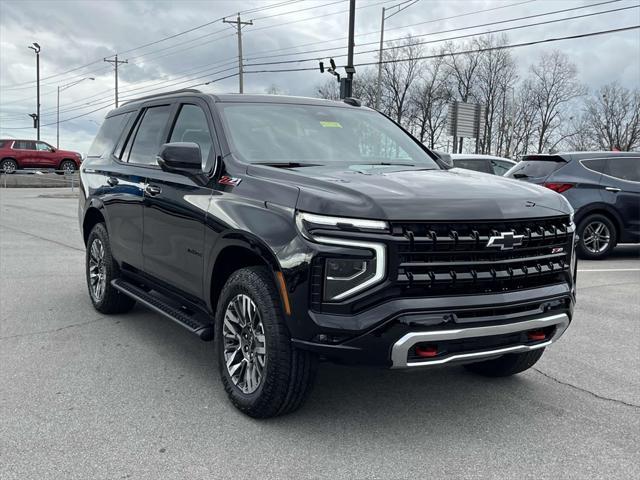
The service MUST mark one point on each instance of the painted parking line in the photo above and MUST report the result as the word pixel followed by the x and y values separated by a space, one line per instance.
pixel 610 270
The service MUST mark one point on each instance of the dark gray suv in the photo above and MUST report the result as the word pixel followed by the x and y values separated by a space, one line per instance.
pixel 602 187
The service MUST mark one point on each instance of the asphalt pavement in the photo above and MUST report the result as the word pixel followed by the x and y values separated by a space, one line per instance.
pixel 86 396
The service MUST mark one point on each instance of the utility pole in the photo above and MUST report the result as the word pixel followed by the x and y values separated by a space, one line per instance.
pixel 61 88
pixel 238 23
pixel 400 6
pixel 347 90
pixel 36 48
pixel 115 63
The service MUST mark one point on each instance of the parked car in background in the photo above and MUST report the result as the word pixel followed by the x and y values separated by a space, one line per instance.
pixel 602 187
pixel 482 163
pixel 16 154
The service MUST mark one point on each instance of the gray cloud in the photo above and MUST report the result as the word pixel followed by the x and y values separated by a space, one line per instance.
pixel 74 33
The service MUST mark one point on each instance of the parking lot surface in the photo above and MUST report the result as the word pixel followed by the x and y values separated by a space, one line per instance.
pixel 86 396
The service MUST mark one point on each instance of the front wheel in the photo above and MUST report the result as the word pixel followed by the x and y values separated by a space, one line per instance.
pixel 506 365
pixel 67 167
pixel 262 373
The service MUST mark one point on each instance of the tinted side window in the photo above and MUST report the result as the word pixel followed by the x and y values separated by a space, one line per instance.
pixel 624 168
pixel 24 145
pixel 192 126
pixel 3 143
pixel 43 147
pixel 597 165
pixel 149 135
pixel 108 135
pixel 500 167
pixel 476 165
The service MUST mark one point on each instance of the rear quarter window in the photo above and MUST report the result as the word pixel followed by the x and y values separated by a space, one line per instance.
pixel 108 135
pixel 534 168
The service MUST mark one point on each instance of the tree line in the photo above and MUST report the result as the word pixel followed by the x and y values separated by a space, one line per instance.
pixel 544 110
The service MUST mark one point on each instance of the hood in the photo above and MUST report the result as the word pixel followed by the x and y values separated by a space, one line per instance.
pixel 411 193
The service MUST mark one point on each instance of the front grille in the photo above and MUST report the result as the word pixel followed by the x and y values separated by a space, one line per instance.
pixel 438 258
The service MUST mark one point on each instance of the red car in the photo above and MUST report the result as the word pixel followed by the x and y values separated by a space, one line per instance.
pixel 15 154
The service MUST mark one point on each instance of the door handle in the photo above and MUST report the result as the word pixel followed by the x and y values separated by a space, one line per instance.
pixel 112 181
pixel 152 190
pixel 612 189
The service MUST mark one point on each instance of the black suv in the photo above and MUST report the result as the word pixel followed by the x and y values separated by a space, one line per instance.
pixel 296 229
pixel 602 187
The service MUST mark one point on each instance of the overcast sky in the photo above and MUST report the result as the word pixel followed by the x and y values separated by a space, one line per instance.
pixel 77 33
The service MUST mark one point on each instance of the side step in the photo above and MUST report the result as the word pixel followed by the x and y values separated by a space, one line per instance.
pixel 198 324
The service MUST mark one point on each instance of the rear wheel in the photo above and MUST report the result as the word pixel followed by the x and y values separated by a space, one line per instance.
pixel 506 365
pixel 598 236
pixel 8 165
pixel 101 268
pixel 262 373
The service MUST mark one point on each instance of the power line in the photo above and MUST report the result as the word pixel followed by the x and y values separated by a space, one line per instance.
pixel 506 29
pixel 465 52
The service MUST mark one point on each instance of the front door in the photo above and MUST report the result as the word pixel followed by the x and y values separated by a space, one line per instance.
pixel 175 210
pixel 46 158
pixel 621 184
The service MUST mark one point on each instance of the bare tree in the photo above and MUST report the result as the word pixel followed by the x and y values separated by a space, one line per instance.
pixel 430 98
pixel 330 89
pixel 398 75
pixel 496 74
pixel 612 116
pixel 522 122
pixel 554 85
pixel 274 89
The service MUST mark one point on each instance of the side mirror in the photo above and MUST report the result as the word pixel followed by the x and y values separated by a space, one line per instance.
pixel 445 158
pixel 53 149
pixel 180 157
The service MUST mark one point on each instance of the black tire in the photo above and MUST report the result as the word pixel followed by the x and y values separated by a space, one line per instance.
pixel 586 251
pixel 288 373
pixel 111 300
pixel 8 165
pixel 67 166
pixel 506 365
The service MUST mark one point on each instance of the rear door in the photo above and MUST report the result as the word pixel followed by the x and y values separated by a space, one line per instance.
pixel 25 153
pixel 621 183
pixel 176 205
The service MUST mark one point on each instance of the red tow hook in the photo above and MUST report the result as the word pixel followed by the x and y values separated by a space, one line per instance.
pixel 536 335
pixel 427 351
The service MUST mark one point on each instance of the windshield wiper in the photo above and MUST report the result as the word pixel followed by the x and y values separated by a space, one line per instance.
pixel 390 164
pixel 288 164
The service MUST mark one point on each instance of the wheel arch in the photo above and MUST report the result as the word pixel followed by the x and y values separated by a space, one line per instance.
pixel 233 251
pixel 93 214
pixel 67 159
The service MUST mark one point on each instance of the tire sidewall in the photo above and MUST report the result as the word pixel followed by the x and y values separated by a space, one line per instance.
pixel 582 250
pixel 248 282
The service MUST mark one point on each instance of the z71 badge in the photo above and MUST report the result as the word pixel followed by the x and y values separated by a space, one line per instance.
pixel 227 180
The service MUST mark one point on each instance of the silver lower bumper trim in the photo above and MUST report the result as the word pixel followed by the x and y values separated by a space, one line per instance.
pixel 401 348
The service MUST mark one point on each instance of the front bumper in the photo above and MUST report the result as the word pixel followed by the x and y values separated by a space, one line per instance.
pixel 463 329
pixel 400 351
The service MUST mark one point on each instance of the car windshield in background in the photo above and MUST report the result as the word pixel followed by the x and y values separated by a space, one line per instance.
pixel 535 168
pixel 296 135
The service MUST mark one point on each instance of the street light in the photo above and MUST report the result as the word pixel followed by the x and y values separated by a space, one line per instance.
pixel 36 48
pixel 400 6
pixel 61 88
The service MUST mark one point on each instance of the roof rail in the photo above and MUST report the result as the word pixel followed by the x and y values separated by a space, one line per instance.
pixel 184 90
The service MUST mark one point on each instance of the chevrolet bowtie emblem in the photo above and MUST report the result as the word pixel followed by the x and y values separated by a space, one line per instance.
pixel 505 241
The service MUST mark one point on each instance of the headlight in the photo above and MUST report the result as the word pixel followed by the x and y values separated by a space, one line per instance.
pixel 344 277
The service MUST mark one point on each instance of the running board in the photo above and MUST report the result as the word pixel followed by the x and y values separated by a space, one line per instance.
pixel 197 324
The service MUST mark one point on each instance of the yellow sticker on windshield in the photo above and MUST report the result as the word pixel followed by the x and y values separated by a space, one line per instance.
pixel 330 124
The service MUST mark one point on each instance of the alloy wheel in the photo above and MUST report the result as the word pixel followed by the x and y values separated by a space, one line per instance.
pixel 97 270
pixel 68 167
pixel 244 343
pixel 9 167
pixel 596 237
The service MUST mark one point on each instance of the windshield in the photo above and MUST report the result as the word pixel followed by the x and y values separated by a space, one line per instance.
pixel 318 135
